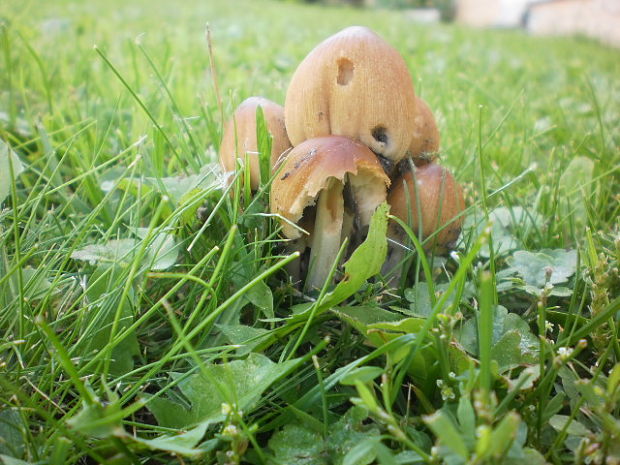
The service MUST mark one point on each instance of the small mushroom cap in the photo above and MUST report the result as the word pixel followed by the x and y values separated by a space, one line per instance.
pixel 357 85
pixel 309 166
pixel 243 126
pixel 439 199
pixel 425 134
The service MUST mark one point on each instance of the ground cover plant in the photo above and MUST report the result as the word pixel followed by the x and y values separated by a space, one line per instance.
pixel 145 310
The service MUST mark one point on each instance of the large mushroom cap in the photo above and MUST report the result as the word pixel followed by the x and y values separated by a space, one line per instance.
pixel 240 136
pixel 435 202
pixel 425 139
pixel 308 169
pixel 353 84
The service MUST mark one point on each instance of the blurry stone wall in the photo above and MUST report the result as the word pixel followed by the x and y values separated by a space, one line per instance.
pixel 599 19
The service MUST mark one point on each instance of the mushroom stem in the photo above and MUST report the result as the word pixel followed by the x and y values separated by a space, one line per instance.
pixel 326 240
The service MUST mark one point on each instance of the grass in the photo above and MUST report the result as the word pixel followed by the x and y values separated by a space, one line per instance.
pixel 145 314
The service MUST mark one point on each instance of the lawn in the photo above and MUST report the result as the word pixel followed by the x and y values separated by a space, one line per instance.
pixel 146 315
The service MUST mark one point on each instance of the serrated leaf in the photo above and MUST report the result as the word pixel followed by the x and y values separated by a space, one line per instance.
pixel 8 159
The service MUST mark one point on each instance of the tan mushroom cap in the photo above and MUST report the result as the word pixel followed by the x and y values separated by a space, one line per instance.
pixel 357 85
pixel 440 202
pixel 243 126
pixel 313 164
pixel 425 133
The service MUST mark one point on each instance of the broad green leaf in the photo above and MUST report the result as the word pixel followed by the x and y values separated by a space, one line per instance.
pixel 594 395
pixel 97 420
pixel 11 434
pixel 8 159
pixel 614 379
pixel 182 444
pixel 530 457
pixel 362 374
pixel 559 422
pixel 175 187
pixel 367 396
pixel 503 435
pixel 449 436
pixel 245 336
pixel 513 342
pixel 365 262
pixel 408 457
pixel 114 251
pixel 508 227
pixel 163 251
pixel 362 453
pixel 8 460
pixel 467 421
pixel 241 382
pixel 360 317
pixel 295 445
pixel 553 406
pixel 259 295
pixel 534 267
pixel 419 298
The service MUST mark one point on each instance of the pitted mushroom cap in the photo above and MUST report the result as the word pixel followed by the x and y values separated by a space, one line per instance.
pixel 357 85
pixel 312 164
pixel 243 126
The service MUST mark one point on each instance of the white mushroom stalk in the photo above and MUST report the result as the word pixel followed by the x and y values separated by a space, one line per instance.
pixel 337 183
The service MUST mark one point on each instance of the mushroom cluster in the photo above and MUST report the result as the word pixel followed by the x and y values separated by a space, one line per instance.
pixel 352 134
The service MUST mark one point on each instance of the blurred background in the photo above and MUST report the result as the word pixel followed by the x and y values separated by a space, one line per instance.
pixel 598 19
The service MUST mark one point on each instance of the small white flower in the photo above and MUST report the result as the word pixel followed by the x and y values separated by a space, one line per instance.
pixel 226 408
pixel 230 430
pixel 565 353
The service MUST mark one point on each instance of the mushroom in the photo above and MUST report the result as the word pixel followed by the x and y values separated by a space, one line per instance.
pixel 333 184
pixel 240 136
pixel 425 140
pixel 353 84
pixel 432 207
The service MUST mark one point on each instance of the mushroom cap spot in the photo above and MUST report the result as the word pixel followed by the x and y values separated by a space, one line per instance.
pixel 440 202
pixel 425 132
pixel 243 125
pixel 351 84
pixel 308 168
